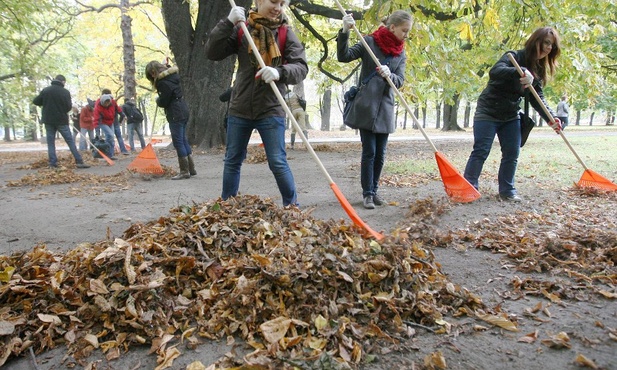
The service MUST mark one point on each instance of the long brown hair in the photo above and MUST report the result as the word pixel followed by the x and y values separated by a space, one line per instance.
pixel 542 67
pixel 156 67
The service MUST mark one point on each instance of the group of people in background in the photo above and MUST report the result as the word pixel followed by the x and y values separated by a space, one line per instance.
pixel 103 116
pixel 254 105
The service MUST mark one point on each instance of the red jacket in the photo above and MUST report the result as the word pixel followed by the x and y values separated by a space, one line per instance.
pixel 85 118
pixel 105 115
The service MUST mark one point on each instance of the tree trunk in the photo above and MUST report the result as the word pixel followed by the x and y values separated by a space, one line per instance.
pixel 424 115
pixel 326 109
pixel 438 112
pixel 578 117
pixel 128 51
pixel 591 118
pixel 203 80
pixel 467 115
pixel 450 113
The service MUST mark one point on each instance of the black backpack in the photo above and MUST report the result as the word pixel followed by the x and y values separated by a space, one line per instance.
pixel 135 115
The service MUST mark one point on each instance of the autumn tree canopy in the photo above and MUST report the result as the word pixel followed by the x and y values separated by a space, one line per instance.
pixel 449 50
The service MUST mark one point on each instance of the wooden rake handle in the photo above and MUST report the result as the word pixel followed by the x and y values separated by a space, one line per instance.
pixel 398 93
pixel 109 160
pixel 545 109
pixel 282 100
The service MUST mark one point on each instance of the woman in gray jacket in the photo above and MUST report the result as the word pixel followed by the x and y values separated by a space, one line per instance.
pixel 372 110
pixel 253 103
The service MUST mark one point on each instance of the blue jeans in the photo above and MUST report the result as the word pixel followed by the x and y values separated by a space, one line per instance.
pixel 373 158
pixel 509 134
pixel 118 134
pixel 109 138
pixel 178 138
pixel 135 127
pixel 272 132
pixel 82 138
pixel 65 131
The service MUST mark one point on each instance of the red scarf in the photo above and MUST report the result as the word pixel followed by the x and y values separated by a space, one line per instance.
pixel 387 42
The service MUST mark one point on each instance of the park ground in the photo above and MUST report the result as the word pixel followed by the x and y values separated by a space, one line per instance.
pixel 546 265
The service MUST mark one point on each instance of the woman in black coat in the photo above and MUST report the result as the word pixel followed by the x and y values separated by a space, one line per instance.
pixel 497 111
pixel 167 82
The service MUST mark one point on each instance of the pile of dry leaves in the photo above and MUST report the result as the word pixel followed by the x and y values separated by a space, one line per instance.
pixel 291 286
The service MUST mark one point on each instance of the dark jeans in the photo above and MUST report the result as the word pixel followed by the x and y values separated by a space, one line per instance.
pixel 373 159
pixel 178 138
pixel 272 132
pixel 509 134
pixel 65 131
pixel 118 133
pixel 132 128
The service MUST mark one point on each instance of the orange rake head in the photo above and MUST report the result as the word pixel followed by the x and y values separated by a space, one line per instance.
pixel 147 162
pixel 457 187
pixel 592 179
pixel 352 213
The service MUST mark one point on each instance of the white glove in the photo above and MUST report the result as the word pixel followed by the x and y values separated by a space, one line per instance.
pixel 384 71
pixel 268 74
pixel 236 15
pixel 557 125
pixel 348 22
pixel 527 80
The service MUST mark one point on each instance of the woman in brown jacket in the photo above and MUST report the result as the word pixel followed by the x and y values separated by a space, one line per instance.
pixel 254 104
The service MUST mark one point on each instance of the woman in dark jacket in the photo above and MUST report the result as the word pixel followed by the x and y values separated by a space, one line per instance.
pixel 254 104
pixel 372 110
pixel 167 82
pixel 499 104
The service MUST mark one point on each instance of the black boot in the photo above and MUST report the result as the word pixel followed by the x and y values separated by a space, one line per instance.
pixel 192 171
pixel 184 169
pixel 293 140
pixel 305 134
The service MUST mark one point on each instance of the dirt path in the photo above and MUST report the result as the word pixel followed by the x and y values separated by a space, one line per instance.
pixel 62 216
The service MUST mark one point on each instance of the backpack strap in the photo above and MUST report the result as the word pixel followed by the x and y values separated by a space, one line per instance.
pixel 282 38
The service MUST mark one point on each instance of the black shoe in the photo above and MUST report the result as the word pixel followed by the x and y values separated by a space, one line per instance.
pixel 377 200
pixel 126 153
pixel 53 167
pixel 113 158
pixel 368 202
pixel 510 198
pixel 82 165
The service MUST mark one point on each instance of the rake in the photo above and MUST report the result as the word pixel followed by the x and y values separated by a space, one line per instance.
pixel 456 186
pixel 337 192
pixel 109 160
pixel 590 178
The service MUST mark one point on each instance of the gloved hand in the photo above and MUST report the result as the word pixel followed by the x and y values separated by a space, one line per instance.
pixel 236 15
pixel 527 80
pixel 383 71
pixel 348 22
pixel 557 125
pixel 268 74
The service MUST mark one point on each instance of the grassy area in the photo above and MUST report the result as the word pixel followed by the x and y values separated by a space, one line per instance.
pixel 545 158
